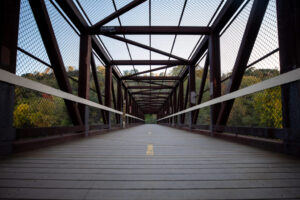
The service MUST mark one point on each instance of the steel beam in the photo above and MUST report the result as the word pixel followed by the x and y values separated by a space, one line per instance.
pixel 227 11
pixel 246 46
pixel 152 78
pixel 119 98
pixel 288 17
pixel 9 25
pixel 72 12
pixel 175 105
pixel 160 30
pixel 150 87
pixel 180 100
pixel 84 74
pixel 98 89
pixel 148 62
pixel 202 85
pixel 148 93
pixel 187 94
pixel 215 75
pixel 114 100
pixel 147 71
pixel 44 24
pixel 146 47
pixel 108 89
pixel 192 92
pixel 116 14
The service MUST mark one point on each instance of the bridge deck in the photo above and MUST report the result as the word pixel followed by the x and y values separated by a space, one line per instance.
pixel 150 162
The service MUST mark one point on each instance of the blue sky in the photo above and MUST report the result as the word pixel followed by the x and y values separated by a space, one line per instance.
pixel 164 12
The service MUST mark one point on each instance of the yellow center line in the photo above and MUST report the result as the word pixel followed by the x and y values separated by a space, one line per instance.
pixel 150 150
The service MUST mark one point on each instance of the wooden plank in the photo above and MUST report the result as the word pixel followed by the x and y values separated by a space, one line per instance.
pixel 183 165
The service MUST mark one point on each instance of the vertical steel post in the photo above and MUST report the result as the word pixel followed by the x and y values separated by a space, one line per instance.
pixel 98 89
pixel 84 76
pixel 288 19
pixel 9 24
pixel 42 19
pixel 215 76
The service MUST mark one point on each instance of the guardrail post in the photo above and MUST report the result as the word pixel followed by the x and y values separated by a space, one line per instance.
pixel 288 16
pixel 9 24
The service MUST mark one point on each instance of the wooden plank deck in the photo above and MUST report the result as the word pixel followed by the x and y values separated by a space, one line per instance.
pixel 150 162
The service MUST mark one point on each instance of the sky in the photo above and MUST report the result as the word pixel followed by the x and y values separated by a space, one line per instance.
pixel 163 12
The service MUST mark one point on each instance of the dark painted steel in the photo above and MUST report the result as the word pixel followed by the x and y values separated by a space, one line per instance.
pixel 180 100
pixel 192 92
pixel 150 87
pixel 214 74
pixel 288 18
pixel 247 43
pixel 119 98
pixel 146 47
pixel 148 62
pixel 98 89
pixel 202 85
pixel 84 73
pixel 160 30
pixel 152 78
pixel 116 14
pixel 108 90
pixel 9 24
pixel 114 101
pixel 44 24
pixel 148 71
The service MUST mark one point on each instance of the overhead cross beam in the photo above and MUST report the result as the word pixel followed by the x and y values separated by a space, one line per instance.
pixel 150 87
pixel 160 30
pixel 146 47
pixel 148 93
pixel 148 71
pixel 148 62
pixel 150 82
pixel 152 78
pixel 116 14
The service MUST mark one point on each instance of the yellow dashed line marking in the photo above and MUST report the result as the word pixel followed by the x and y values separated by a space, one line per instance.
pixel 150 150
